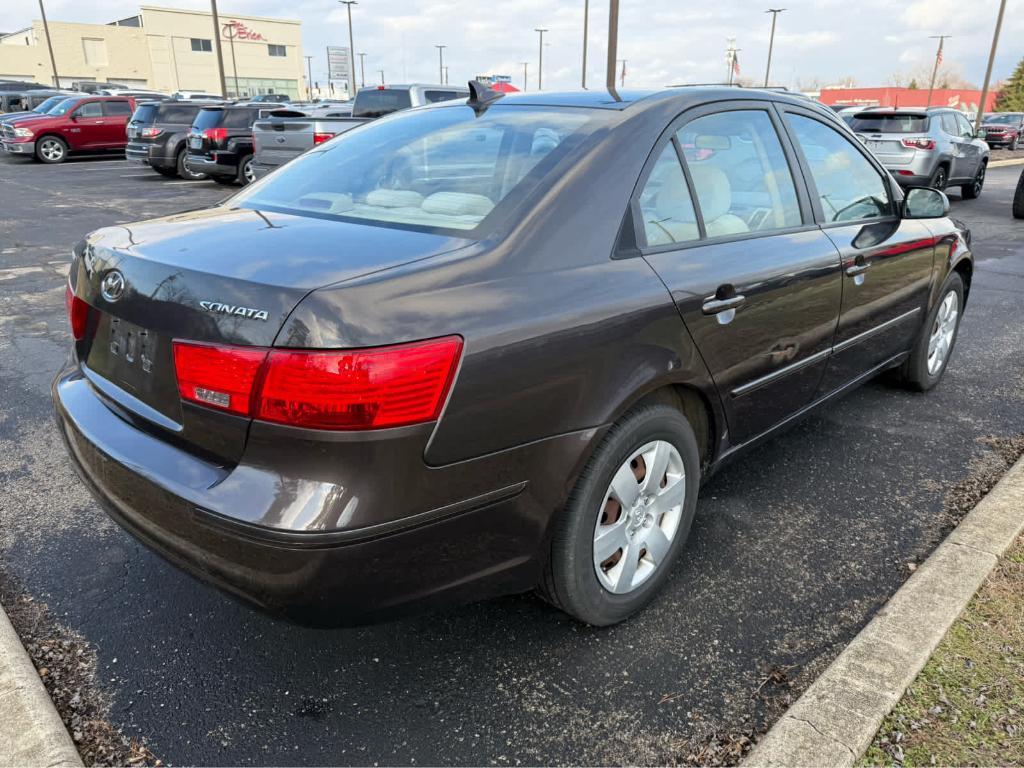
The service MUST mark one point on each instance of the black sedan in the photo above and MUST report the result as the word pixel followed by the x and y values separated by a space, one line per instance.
pixel 493 345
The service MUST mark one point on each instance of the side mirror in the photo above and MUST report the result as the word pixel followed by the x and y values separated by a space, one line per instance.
pixel 925 203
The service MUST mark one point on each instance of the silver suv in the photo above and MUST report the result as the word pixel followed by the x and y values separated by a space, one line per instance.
pixel 926 148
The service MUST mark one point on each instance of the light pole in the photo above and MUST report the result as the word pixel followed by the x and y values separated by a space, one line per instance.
pixel 53 61
pixel 935 69
pixel 440 63
pixel 309 77
pixel 362 70
pixel 381 76
pixel 771 42
pixel 613 43
pixel 351 48
pixel 988 69
pixel 540 60
pixel 586 22
pixel 525 65
pixel 234 63
pixel 445 70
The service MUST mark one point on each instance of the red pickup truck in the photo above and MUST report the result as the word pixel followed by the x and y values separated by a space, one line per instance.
pixel 86 124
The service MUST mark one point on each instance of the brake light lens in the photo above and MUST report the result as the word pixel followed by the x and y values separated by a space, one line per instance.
pixel 78 313
pixel 920 142
pixel 320 138
pixel 220 377
pixel 322 389
pixel 150 132
pixel 216 134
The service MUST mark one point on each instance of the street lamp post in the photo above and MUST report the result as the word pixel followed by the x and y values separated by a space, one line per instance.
pixel 525 65
pixel 613 43
pixel 445 70
pixel 935 69
pixel 771 42
pixel 351 48
pixel 540 60
pixel 381 76
pixel 53 61
pixel 362 70
pixel 440 63
pixel 586 22
pixel 988 69
pixel 309 77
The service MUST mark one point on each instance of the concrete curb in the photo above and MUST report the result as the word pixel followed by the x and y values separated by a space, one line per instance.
pixel 836 719
pixel 31 731
pixel 1002 163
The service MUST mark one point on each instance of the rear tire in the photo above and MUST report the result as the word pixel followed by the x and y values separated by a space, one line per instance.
pixel 1012 146
pixel 245 173
pixel 652 438
pixel 922 371
pixel 182 169
pixel 51 150
pixel 939 179
pixel 972 191
pixel 1018 199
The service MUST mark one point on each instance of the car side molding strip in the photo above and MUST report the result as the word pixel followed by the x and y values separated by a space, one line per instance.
pixel 872 331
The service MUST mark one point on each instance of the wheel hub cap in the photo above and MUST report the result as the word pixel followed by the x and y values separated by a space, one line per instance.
pixel 943 332
pixel 639 517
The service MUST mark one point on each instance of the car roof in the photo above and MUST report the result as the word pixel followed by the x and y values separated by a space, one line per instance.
pixel 686 96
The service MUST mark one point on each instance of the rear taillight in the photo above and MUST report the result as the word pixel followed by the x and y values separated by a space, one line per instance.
pixel 320 138
pixel 150 132
pixel 322 389
pixel 216 134
pixel 78 313
pixel 919 143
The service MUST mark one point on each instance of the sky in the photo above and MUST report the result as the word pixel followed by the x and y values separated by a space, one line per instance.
pixel 664 42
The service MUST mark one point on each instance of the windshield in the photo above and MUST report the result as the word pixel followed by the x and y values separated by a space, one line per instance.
pixel 1008 117
pixel 64 107
pixel 441 168
pixel 869 123
pixel 49 104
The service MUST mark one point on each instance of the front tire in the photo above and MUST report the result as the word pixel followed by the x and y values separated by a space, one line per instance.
pixel 51 150
pixel 934 347
pixel 613 546
pixel 972 191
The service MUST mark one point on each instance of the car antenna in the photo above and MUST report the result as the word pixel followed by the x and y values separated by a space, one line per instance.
pixel 481 96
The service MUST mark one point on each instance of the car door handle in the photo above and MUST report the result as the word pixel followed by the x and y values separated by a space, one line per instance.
pixel 713 305
pixel 857 269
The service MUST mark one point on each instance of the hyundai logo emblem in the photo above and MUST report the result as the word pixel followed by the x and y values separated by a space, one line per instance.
pixel 112 287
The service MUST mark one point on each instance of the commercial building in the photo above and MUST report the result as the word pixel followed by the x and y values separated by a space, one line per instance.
pixel 164 49
pixel 964 99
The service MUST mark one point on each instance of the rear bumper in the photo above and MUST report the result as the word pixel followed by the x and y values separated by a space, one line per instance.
pixel 296 562
pixel 905 177
pixel 206 164
pixel 19 147
pixel 148 154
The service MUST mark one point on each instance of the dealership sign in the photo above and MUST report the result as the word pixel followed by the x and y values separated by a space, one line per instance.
pixel 236 30
pixel 338 62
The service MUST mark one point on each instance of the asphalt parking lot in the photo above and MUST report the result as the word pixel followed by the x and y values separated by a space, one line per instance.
pixel 795 546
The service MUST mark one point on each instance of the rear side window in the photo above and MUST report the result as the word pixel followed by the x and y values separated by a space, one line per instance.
pixel 177 113
pixel 740 173
pixel 868 123
pixel 90 109
pixel 208 118
pixel 239 118
pixel 849 187
pixel 379 102
pixel 966 129
pixel 145 113
pixel 117 108
pixel 948 123
pixel 665 203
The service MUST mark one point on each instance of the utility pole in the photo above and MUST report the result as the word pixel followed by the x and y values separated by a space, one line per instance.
pixel 525 65
pixel 234 63
pixel 309 77
pixel 53 61
pixel 935 69
pixel 771 42
pixel 586 22
pixel 220 54
pixel 988 69
pixel 351 48
pixel 445 70
pixel 613 44
pixel 540 60
pixel 622 76
pixel 440 63
pixel 362 70
pixel 381 76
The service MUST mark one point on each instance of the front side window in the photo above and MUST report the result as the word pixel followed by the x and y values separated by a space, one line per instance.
pixel 201 45
pixel 446 168
pixel 740 173
pixel 91 109
pixel 849 187
pixel 665 203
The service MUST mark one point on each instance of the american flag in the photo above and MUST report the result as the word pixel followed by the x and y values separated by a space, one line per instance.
pixel 735 63
pixel 938 56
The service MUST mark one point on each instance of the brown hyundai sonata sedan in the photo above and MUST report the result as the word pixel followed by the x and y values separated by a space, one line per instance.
pixel 493 345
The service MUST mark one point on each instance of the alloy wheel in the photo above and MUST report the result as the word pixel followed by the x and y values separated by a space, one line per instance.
pixel 939 180
pixel 51 149
pixel 979 180
pixel 639 517
pixel 943 331
pixel 247 172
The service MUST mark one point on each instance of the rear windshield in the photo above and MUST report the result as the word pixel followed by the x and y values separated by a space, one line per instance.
pixel 381 101
pixel 868 123
pixel 144 113
pixel 208 118
pixel 177 113
pixel 431 169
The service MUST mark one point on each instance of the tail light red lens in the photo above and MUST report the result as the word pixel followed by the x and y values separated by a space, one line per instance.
pixel 150 132
pixel 919 143
pixel 221 377
pixel 331 389
pixel 78 313
pixel 216 134
pixel 320 138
